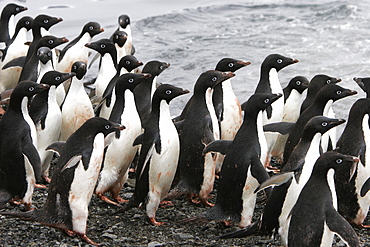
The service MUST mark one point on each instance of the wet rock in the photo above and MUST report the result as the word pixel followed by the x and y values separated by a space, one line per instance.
pixel 109 235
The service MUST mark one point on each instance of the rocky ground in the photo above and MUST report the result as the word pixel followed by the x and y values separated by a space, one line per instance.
pixel 133 229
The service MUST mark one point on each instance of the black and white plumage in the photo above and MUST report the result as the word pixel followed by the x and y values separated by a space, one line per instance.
pixel 7 24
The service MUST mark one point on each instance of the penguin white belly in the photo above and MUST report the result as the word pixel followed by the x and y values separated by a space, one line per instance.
pixel 106 73
pixel 83 185
pixel 120 152
pixel 327 237
pixel 27 118
pixel 105 110
pixel 163 166
pixel 77 52
pixel 248 198
pixel 121 52
pixel 11 26
pixel 262 138
pixel 43 68
pixel 31 181
pixel 331 183
pixel 232 114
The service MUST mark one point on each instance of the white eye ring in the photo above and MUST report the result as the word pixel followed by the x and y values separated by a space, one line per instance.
pixel 57 78
pixel 91 27
pixel 46 21
pixel 31 89
pixel 298 83
pixel 17 9
pixel 74 67
pixel 27 23
pixel 328 81
pixel 131 80
pixel 338 161
pixel 279 60
pixel 128 62
pixel 117 36
pixel 49 54
pixel 324 124
pixel 339 92
pixel 107 127
pixel 214 78
pixel 161 67
pixel 51 41
pixel 102 46
pixel 266 101
pixel 168 92
pixel 231 65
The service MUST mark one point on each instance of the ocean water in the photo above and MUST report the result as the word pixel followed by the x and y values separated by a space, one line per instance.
pixel 327 37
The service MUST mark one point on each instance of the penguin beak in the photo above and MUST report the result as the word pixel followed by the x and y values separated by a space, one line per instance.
pixel 350 92
pixel 359 82
pixel 120 127
pixel 244 63
pixel 337 122
pixel 139 63
pixel 184 91
pixel 337 80
pixel 43 87
pixel 353 168
pixel 276 97
pixel 167 65
pixel 295 61
pixel 64 40
pixel 101 30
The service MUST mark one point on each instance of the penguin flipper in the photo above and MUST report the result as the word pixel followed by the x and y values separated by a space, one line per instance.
pixel 56 147
pixel 72 162
pixel 242 233
pixel 284 128
pixel 342 228
pixel 139 140
pixel 178 124
pixel 97 55
pixel 16 62
pixel 275 181
pixel 29 150
pixel 220 146
pixel 365 187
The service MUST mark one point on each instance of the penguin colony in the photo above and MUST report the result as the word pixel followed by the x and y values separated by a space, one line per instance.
pixel 318 188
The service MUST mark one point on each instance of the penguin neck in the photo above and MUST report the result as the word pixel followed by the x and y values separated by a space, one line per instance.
pixel 43 68
pixel 312 153
pixel 123 70
pixel 52 96
pixel 44 32
pixel 109 61
pixel 76 86
pixel 327 107
pixel 212 113
pixel 274 81
pixel 17 104
pixel 253 123
pixel 11 26
pixel 24 106
pixel 153 87
pixel 269 81
pixel 20 37
pixel 124 100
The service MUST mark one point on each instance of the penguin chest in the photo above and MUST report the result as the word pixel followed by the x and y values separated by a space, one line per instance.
pixel 17 48
pixel 212 113
pixel 278 105
pixel 106 73
pixel 292 106
pixel 83 185
pixel 27 118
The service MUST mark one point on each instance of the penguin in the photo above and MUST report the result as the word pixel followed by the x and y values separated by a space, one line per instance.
pixel 355 141
pixel 365 188
pixel 121 153
pixel 127 64
pixel 77 107
pixel 144 92
pixel 16 47
pixel 313 220
pixel 196 173
pixel 327 94
pixel 7 25
pixel 19 160
pixel 108 68
pixel 241 172
pixel 269 83
pixel 364 84
pixel 124 23
pixel 119 39
pixel 76 49
pixel 75 175
pixel 45 62
pixel 30 69
pixel 293 97
pixel 47 117
pixel 160 147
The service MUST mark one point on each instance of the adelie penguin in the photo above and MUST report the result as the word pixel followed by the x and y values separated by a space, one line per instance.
pixel 124 23
pixel 46 114
pixel 77 107
pixel 20 164
pixel 76 50
pixel 73 182
pixel 7 25
pixel 159 153
pixel 313 220
pixel 355 141
pixel 45 62
pixel 327 94
pixel 241 172
pixel 196 172
pixel 121 153
pixel 269 83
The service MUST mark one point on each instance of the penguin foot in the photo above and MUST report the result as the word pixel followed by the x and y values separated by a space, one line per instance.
pixel 109 201
pixel 364 226
pixel 69 232
pixel 227 222
pixel 166 204
pixel 87 239
pixel 207 203
pixel 28 207
pixel 120 199
pixel 156 223
pixel 41 186
pixel 14 202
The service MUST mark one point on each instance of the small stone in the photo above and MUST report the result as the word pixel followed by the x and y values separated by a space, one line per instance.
pixel 108 235
pixel 183 236
pixel 155 243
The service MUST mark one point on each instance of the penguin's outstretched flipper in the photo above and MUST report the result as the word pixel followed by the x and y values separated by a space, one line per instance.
pixel 16 62
pixel 284 128
pixel 245 232
pixel 275 181
pixel 219 146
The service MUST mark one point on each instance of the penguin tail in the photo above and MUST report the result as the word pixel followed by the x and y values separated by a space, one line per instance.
pixel 27 216
pixel 251 229
pixel 174 193
pixel 5 197
pixel 198 220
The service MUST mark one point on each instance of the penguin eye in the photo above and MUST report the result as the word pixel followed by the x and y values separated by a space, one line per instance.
pixel 168 92
pixel 266 100
pixel 298 83
pixel 102 46
pixel 127 20
pixel 46 21
pixel 51 41
pixel 27 23
pixel 107 127
pixel 117 37
pixel 339 92
pixel 279 60
pixel 324 124
pixel 49 53
pixel 131 80
pixel 57 78
pixel 31 89
pixel 328 81
pixel 74 67
pixel 161 67
pixel 17 9
pixel 338 161
pixel 214 78
pixel 127 62
pixel 231 65
pixel 91 28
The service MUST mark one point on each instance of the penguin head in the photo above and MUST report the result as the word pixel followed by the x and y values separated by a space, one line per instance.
pixel 168 92
pixel 335 160
pixel 27 88
pixel 230 64
pixel 155 68
pixel 45 21
pixel 79 68
pixel 51 41
pixel 12 9
pixel 299 83
pixel 102 46
pixel 119 38
pixel 129 62
pixel 210 79
pixel 259 102
pixel 363 83
pixel 44 54
pixel 130 81
pixel 97 125
pixel 123 21
pixel 333 92
pixel 321 124
pixel 24 22
pixel 360 108
pixel 277 62
pixel 55 78
pixel 92 28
